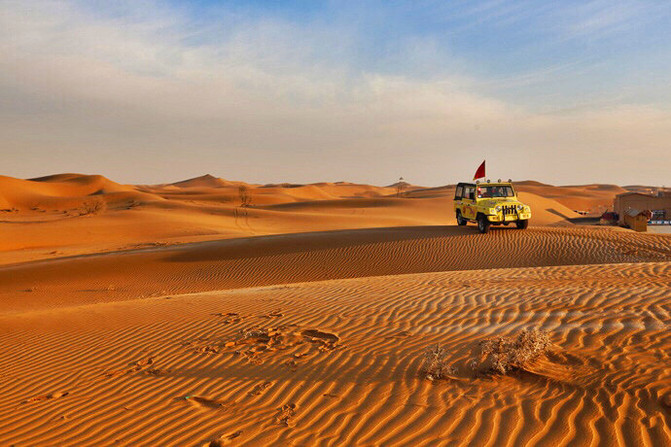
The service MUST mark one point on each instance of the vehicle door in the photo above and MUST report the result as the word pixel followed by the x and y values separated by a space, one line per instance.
pixel 468 200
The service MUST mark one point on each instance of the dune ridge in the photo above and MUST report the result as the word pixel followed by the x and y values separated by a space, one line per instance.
pixel 305 257
pixel 70 214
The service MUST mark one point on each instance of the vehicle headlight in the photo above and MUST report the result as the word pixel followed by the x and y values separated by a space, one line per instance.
pixel 498 208
pixel 520 207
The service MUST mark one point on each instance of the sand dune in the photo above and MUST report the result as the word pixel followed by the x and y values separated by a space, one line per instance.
pixel 72 214
pixel 60 197
pixel 205 181
pixel 595 199
pixel 313 256
pixel 170 315
pixel 339 363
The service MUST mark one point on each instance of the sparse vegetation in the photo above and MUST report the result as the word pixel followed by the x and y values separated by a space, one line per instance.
pixel 435 363
pixel 245 196
pixel 94 206
pixel 504 354
pixel 498 355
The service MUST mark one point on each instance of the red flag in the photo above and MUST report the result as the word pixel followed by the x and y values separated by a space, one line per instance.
pixel 480 173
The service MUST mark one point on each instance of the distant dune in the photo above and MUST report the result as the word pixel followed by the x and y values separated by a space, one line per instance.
pixel 207 207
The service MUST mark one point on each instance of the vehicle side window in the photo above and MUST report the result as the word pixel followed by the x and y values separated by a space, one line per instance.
pixel 459 192
pixel 469 192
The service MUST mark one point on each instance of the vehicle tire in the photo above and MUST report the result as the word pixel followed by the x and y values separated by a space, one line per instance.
pixel 483 224
pixel 522 224
pixel 460 219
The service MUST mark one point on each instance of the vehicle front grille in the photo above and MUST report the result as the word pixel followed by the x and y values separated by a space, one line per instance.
pixel 509 210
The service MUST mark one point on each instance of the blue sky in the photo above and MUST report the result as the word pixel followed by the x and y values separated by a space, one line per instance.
pixel 563 92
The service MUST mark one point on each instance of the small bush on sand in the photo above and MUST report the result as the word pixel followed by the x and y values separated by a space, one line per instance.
pixel 94 206
pixel 504 354
pixel 245 196
pixel 435 363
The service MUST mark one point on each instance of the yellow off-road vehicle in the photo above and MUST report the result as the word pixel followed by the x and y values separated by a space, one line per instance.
pixel 490 204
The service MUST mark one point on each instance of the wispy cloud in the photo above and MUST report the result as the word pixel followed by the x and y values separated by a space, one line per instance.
pixel 269 99
pixel 598 18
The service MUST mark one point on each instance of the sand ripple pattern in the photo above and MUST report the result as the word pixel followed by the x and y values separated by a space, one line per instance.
pixel 306 257
pixel 337 362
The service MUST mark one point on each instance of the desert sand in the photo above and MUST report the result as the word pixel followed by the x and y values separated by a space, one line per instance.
pixel 169 315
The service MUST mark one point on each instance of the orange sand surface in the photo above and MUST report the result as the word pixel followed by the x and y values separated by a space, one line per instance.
pixel 168 315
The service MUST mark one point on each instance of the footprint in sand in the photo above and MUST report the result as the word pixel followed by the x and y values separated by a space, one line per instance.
pixel 260 388
pixel 231 317
pixel 208 350
pixel 285 413
pixel 326 336
pixel 56 395
pixel 291 364
pixel 222 440
pixel 157 372
pixel 140 365
pixel 326 340
pixel 206 403
pixel 400 334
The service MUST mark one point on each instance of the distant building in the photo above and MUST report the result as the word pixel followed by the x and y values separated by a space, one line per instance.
pixel 637 220
pixel 658 205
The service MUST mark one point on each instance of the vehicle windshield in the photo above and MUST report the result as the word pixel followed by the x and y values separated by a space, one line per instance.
pixel 488 192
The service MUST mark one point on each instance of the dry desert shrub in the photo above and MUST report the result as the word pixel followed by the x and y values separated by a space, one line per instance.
pixel 245 196
pixel 504 354
pixel 435 363
pixel 94 206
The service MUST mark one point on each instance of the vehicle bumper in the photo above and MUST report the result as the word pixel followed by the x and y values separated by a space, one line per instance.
pixel 509 217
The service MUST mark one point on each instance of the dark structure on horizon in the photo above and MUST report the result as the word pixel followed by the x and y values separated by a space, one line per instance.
pixel 628 203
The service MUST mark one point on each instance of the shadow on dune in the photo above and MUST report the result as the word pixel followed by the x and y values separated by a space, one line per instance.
pixel 317 256
pixel 257 246
pixel 557 213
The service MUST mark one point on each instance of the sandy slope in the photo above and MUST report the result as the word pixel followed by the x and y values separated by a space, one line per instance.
pixel 52 217
pixel 313 256
pixel 595 199
pixel 342 364
pixel 172 317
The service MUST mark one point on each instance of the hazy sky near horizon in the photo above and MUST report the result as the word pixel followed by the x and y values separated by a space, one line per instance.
pixel 303 91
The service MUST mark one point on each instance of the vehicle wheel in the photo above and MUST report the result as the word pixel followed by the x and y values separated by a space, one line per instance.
pixel 505 224
pixel 460 219
pixel 483 224
pixel 522 224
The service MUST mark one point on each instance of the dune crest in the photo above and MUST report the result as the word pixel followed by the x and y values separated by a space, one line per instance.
pixel 121 217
